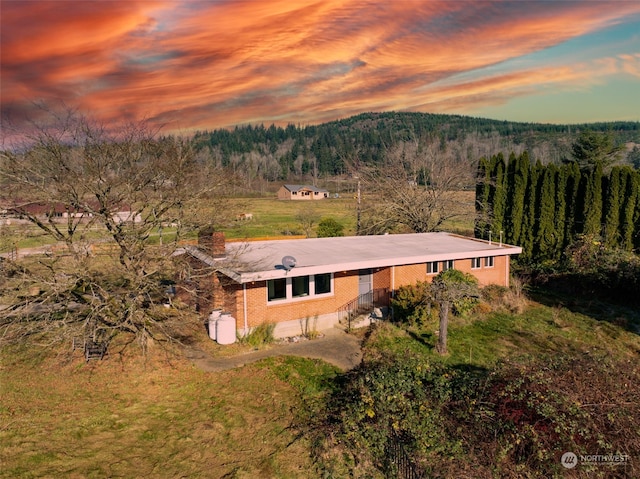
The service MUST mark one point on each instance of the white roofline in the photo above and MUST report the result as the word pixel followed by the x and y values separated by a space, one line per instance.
pixel 337 267
pixel 260 261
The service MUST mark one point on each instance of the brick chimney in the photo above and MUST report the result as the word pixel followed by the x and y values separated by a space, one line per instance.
pixel 212 241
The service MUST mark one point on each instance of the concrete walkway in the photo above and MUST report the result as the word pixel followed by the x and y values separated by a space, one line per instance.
pixel 335 347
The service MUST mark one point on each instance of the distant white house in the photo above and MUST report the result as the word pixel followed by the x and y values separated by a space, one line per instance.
pixel 302 192
pixel 127 217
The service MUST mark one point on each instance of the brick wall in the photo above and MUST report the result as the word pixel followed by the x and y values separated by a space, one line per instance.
pixel 345 289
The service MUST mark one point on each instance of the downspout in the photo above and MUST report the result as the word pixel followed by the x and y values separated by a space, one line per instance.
pixel 506 269
pixel 244 307
pixel 393 285
pixel 393 281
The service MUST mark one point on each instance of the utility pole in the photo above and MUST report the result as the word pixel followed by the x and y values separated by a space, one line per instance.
pixel 358 210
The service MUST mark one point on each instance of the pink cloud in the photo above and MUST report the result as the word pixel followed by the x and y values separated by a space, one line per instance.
pixel 214 64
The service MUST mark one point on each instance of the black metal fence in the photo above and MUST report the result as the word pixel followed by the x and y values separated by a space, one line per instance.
pixel 398 463
pixel 366 302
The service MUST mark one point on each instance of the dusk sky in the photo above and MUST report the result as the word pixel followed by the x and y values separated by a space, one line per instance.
pixel 210 64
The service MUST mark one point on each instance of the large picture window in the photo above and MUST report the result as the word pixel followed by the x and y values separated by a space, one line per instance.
pixel 298 287
pixel 322 283
pixel 277 289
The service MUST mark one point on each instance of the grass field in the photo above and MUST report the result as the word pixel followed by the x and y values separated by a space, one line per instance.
pixel 272 218
pixel 160 417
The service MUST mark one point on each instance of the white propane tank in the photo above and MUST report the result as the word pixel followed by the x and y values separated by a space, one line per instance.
pixel 226 329
pixel 213 320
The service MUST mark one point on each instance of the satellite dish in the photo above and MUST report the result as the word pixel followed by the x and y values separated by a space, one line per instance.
pixel 288 262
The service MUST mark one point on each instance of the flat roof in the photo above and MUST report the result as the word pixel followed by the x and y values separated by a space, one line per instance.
pixel 260 260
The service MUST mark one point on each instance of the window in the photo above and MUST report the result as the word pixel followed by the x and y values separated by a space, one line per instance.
pixel 286 289
pixel 300 286
pixel 447 265
pixel 432 268
pixel 488 262
pixel 475 263
pixel 322 283
pixel 276 289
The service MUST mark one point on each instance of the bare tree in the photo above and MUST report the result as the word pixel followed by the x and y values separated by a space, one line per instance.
pixel 418 189
pixel 102 194
pixel 307 217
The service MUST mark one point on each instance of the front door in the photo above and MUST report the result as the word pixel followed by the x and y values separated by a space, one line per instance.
pixel 365 286
pixel 365 281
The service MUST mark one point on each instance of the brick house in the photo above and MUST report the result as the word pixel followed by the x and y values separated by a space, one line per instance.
pixel 302 192
pixel 330 277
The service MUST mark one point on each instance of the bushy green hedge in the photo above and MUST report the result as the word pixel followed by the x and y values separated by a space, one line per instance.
pixel 414 304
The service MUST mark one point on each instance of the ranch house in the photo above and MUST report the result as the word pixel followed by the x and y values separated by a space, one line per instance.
pixel 320 281
pixel 301 192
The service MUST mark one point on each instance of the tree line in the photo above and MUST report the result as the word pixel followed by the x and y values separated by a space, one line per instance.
pixel 279 154
pixel 545 208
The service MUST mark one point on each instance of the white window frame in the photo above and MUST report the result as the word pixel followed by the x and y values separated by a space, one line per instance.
pixel 431 265
pixel 289 298
pixel 489 261
pixel 448 264
pixel 476 263
pixel 277 300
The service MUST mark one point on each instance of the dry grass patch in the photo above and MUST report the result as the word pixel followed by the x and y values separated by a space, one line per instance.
pixel 144 417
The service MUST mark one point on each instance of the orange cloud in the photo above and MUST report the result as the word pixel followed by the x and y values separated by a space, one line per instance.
pixel 214 64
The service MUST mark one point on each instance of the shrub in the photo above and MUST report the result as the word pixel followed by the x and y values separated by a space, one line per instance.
pixel 329 227
pixel 512 300
pixel 514 421
pixel 413 304
pixel 258 336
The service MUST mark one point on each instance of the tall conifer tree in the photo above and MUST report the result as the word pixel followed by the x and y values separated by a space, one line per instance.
pixel 612 205
pixel 560 212
pixel 545 237
pixel 592 208
pixel 527 234
pixel 518 177
pixel 630 209
pixel 483 190
pixel 572 188
pixel 498 196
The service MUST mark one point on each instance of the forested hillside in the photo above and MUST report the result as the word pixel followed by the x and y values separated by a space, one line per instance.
pixel 335 148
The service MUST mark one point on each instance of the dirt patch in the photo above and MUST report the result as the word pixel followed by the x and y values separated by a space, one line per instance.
pixel 335 347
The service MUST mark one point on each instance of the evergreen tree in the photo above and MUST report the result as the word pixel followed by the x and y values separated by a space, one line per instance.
pixel 498 194
pixel 573 213
pixel 629 209
pixel 545 237
pixel 483 189
pixel 595 148
pixel 517 180
pixel 592 208
pixel 527 234
pixel 636 215
pixel 560 212
pixel 612 206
